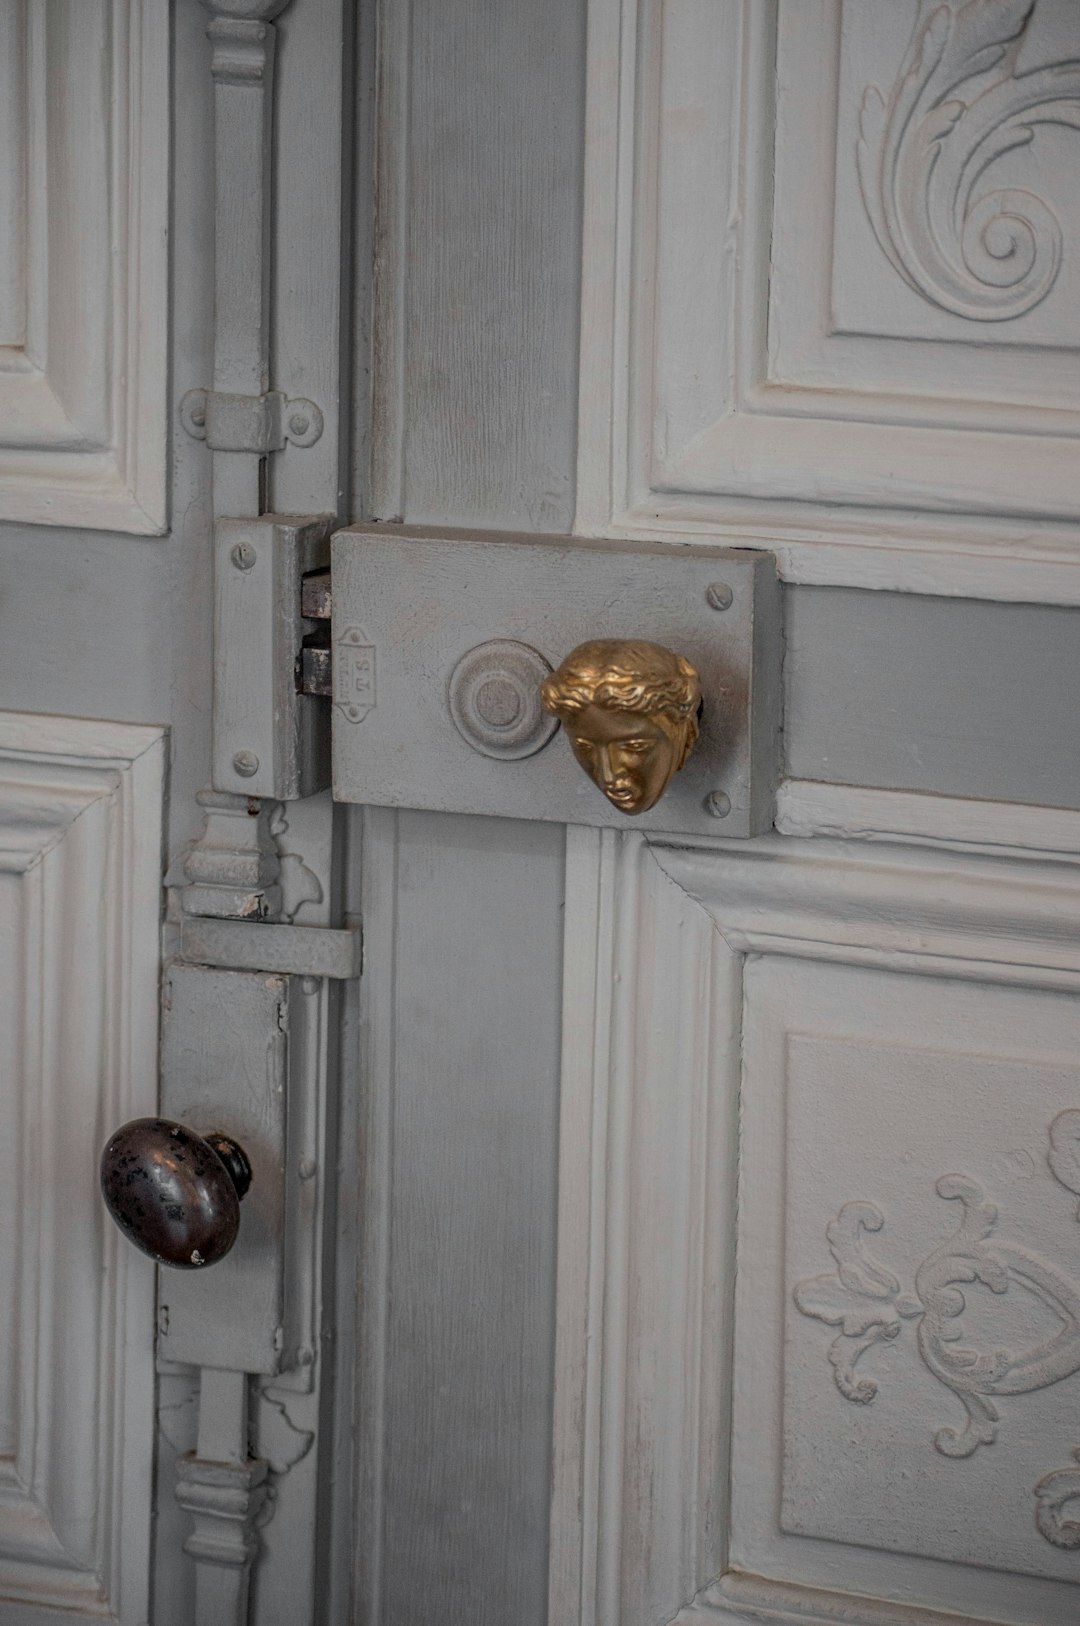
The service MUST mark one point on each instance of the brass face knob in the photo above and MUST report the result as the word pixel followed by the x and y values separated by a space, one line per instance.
pixel 630 710
pixel 174 1193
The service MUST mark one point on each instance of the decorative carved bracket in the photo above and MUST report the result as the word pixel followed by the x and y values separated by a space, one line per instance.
pixel 234 869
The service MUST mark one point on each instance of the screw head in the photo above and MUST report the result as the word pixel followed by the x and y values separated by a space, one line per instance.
pixel 299 423
pixel 717 804
pixel 718 596
pixel 243 555
pixel 246 764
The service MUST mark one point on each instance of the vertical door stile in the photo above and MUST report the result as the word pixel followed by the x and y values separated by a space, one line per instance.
pixel 221 1483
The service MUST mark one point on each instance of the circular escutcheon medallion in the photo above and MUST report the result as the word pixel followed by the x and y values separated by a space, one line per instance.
pixel 495 699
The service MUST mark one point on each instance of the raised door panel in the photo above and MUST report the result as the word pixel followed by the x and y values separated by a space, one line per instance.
pixel 80 858
pixel 831 285
pixel 84 109
pixel 818 1351
pixel 908 1310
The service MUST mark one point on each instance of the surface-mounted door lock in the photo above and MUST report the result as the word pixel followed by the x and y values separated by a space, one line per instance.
pixel 455 658
pixel 443 665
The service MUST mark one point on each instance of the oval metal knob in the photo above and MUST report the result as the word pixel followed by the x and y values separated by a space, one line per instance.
pixel 174 1193
pixel 631 711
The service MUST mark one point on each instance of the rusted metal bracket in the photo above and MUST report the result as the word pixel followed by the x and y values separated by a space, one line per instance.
pixel 315 664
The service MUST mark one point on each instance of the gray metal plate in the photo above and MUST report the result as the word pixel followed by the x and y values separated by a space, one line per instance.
pixel 409 605
pixel 225 1067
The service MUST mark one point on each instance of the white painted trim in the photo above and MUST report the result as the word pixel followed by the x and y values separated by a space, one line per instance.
pixel 806 807
pixel 646 1240
pixel 83 416
pixel 41 735
pixel 751 1600
pixel 911 908
pixel 80 834
pixel 656 936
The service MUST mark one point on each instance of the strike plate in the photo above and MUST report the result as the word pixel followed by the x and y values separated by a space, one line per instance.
pixel 268 739
pixel 420 619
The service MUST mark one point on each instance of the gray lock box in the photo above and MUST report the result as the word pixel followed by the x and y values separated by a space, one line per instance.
pixel 440 642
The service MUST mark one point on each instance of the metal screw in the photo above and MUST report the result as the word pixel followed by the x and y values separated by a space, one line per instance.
pixel 198 416
pixel 246 764
pixel 299 424
pixel 243 555
pixel 717 804
pixel 718 595
pixel 307 1168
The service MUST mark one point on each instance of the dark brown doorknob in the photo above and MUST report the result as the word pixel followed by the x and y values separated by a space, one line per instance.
pixel 174 1193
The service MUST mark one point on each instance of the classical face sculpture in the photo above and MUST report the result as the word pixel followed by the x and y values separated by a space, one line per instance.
pixel 630 710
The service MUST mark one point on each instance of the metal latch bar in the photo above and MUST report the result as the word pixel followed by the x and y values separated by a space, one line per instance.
pixel 240 945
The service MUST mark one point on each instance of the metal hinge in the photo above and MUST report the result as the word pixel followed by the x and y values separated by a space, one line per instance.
pixel 315 663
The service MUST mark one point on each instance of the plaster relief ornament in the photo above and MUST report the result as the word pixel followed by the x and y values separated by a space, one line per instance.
pixel 630 710
pixel 927 152
pixel 868 1306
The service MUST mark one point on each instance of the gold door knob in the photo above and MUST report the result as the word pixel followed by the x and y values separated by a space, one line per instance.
pixel 175 1194
pixel 631 711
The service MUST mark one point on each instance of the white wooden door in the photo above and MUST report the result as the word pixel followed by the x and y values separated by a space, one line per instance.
pixel 687 1227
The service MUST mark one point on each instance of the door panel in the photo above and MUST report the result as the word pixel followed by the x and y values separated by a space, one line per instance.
pixel 84 206
pixel 457 1260
pixel 908 1313
pixel 80 852
pixel 802 1066
pixel 800 288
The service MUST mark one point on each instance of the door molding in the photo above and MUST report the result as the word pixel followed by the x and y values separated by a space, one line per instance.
pixel 808 807
pixel 657 941
pixel 80 845
pixel 84 358
pixel 741 376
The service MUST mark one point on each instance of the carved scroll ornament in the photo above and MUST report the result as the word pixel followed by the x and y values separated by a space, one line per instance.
pixel 864 1300
pixel 957 106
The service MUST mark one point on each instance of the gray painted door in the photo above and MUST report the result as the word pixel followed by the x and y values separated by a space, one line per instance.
pixel 688 1221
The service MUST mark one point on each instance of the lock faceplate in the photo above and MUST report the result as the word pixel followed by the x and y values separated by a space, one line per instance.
pixel 225 1067
pixel 414 610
